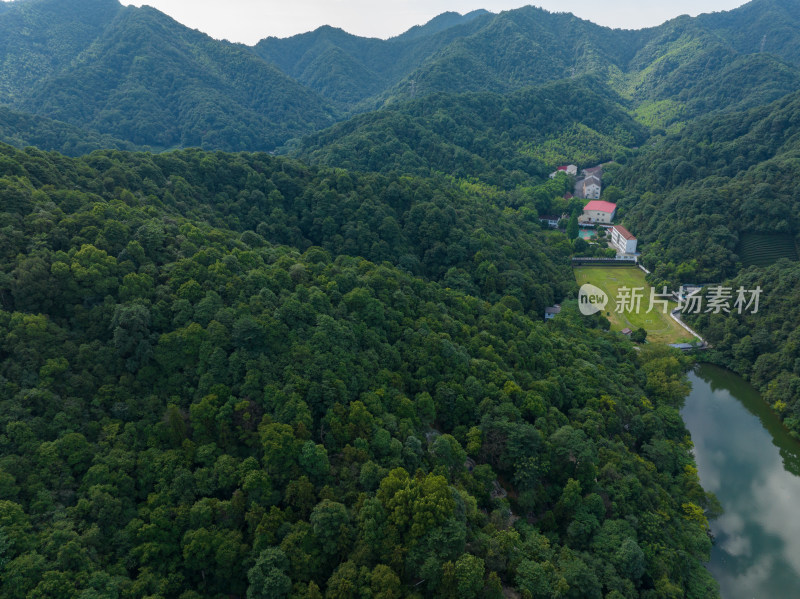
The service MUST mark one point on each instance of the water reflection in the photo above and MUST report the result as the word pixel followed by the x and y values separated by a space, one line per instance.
pixel 746 457
pixel 724 381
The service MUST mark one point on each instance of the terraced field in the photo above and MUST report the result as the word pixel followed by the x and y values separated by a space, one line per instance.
pixel 763 249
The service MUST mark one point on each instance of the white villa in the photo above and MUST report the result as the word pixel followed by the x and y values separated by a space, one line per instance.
pixel 599 212
pixel 623 240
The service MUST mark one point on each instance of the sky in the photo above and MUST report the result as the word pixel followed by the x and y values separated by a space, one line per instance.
pixel 248 21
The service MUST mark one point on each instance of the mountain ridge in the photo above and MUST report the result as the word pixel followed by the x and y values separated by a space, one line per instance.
pixel 139 76
pixel 146 78
pixel 441 22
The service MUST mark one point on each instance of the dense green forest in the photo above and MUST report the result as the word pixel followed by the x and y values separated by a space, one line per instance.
pixel 693 196
pixel 327 374
pixel 136 75
pixel 427 227
pixel 204 400
pixel 500 140
pixel 21 130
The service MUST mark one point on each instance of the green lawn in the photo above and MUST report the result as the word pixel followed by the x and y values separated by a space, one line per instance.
pixel 660 327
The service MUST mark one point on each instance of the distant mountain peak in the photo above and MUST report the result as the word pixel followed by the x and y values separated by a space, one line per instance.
pixel 446 20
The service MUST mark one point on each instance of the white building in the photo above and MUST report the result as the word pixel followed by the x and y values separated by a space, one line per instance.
pixel 592 188
pixel 598 212
pixel 569 169
pixel 623 240
pixel 551 220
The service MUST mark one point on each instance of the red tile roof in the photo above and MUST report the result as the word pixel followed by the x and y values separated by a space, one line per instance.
pixel 624 232
pixel 600 206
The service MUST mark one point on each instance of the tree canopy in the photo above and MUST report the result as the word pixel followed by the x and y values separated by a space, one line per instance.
pixel 208 391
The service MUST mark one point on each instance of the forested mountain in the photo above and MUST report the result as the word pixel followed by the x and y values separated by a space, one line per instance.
pixel 680 69
pixel 138 75
pixel 763 25
pixel 718 204
pixel 519 48
pixel 206 392
pixel 503 140
pixel 693 195
pixel 38 38
pixel 349 69
pixel 686 70
pixel 486 52
pixel 135 74
pixel 441 22
pixel 327 375
pixel 343 67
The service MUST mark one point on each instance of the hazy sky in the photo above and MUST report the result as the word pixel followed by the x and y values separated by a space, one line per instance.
pixel 251 20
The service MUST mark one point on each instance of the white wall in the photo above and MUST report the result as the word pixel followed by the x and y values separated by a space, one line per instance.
pixel 625 245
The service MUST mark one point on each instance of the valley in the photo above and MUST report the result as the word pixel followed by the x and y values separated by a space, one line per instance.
pixel 301 319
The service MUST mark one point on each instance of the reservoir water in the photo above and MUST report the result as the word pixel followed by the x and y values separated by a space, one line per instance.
pixel 751 463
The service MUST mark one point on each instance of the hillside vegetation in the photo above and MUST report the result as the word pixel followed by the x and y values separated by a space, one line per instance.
pixel 138 76
pixel 694 194
pixel 208 392
pixel 228 373
pixel 500 140
pixel 716 203
pixel 22 129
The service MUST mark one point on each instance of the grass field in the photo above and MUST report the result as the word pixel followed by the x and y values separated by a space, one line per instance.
pixel 660 327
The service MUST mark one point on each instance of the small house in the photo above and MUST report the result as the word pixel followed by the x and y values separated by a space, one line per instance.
pixel 551 220
pixel 568 169
pixel 550 313
pixel 683 346
pixel 595 171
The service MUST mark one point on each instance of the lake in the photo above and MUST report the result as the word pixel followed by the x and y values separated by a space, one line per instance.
pixel 750 462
